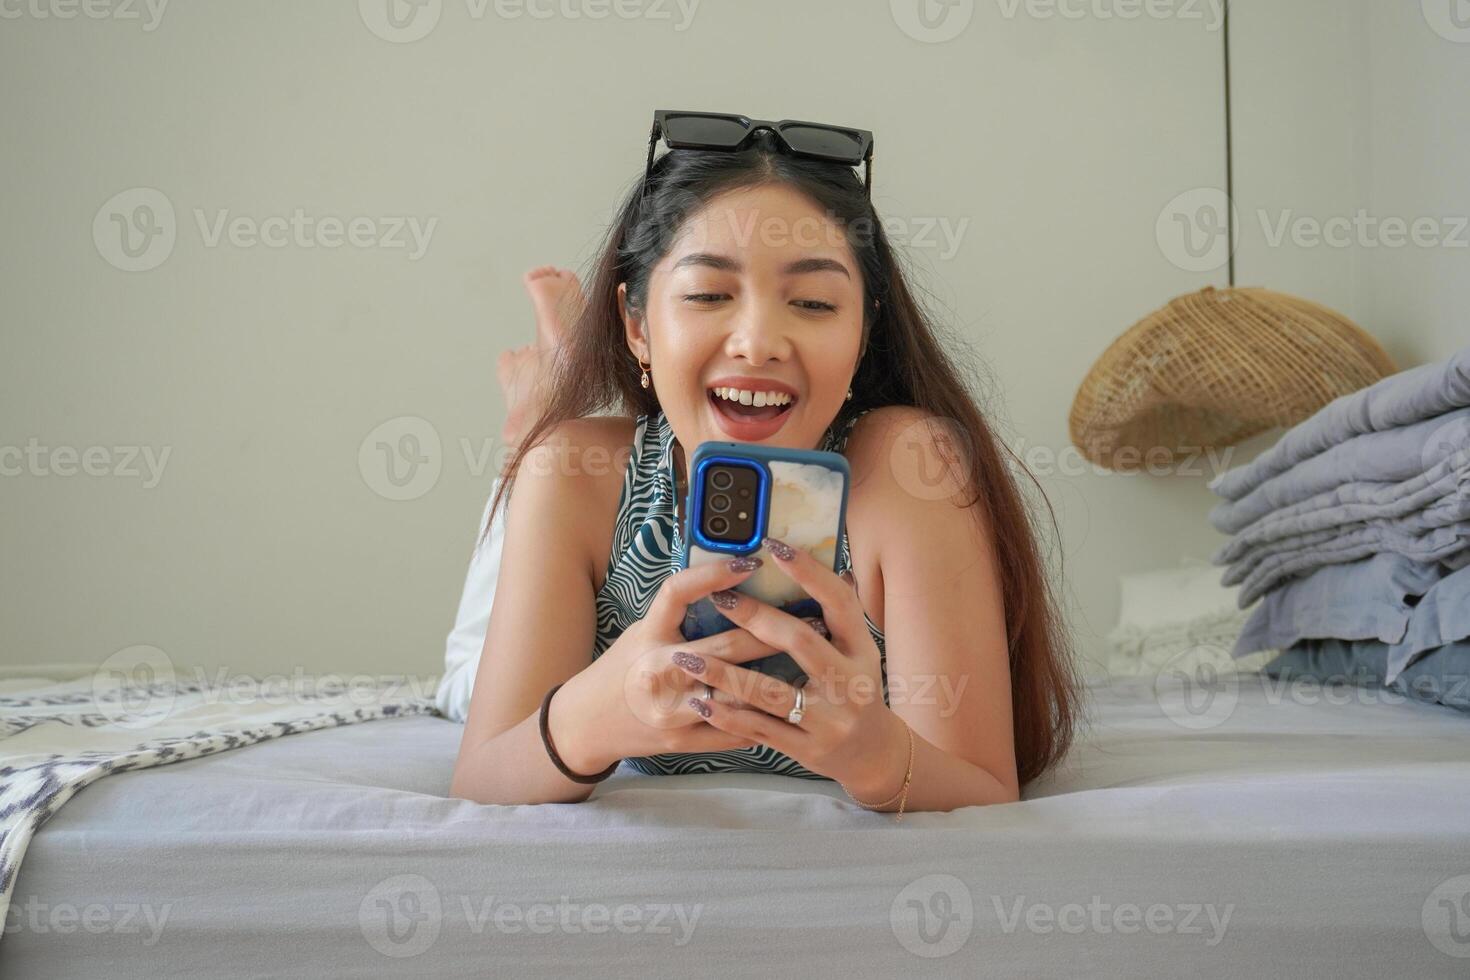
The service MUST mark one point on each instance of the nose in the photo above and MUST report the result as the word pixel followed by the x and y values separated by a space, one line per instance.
pixel 757 335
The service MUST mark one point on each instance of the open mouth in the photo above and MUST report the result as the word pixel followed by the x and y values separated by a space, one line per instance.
pixel 750 405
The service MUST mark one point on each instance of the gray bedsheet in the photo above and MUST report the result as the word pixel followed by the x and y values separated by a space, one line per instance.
pixel 1234 829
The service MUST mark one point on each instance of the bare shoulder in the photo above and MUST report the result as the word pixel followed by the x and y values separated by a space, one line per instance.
pixel 914 528
pixel 613 433
pixel 884 423
pixel 901 450
pixel 581 464
pixel 909 468
pixel 586 453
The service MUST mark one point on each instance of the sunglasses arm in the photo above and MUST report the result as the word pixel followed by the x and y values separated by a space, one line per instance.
pixel 652 143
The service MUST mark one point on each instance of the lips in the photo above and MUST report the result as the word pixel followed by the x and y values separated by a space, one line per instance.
pixel 746 423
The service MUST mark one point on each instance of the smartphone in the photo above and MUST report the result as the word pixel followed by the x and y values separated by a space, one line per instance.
pixel 741 493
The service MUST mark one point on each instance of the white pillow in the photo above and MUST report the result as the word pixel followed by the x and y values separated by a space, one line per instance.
pixel 1180 618
pixel 1173 595
pixel 467 638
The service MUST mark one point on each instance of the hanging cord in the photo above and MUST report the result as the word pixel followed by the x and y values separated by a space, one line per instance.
pixel 1229 153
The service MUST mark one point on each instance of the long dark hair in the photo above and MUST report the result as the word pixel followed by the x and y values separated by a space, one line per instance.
pixel 903 364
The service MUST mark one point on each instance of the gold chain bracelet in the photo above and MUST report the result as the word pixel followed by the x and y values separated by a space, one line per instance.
pixel 903 791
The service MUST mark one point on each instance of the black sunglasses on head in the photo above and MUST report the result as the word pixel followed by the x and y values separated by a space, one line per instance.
pixel 685 130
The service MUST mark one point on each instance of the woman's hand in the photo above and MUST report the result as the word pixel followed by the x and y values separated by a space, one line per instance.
pixel 847 732
pixel 634 700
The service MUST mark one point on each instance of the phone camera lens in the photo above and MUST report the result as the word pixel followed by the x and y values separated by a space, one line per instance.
pixel 719 502
pixel 718 525
pixel 721 479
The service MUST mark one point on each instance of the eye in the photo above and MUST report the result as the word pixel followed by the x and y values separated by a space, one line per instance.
pixel 703 297
pixel 816 306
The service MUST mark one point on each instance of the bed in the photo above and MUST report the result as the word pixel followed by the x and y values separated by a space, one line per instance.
pixel 1252 830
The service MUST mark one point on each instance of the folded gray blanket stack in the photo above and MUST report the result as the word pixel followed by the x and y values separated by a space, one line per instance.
pixel 1355 526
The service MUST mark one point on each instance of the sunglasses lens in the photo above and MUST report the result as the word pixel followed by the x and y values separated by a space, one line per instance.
pixel 708 130
pixel 829 143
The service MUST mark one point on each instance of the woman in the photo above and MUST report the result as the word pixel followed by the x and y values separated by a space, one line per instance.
pixel 939 675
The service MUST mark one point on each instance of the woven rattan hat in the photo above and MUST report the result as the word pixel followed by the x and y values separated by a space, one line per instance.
pixel 1216 367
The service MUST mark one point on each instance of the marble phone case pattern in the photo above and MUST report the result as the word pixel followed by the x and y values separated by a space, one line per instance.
pixel 805 504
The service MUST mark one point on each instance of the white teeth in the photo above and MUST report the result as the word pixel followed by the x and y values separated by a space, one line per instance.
pixel 757 399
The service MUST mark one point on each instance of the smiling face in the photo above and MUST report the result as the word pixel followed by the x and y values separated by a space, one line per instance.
pixel 759 293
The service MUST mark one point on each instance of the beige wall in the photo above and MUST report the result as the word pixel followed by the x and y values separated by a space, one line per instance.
pixel 1356 110
pixel 1051 144
pixel 1419 126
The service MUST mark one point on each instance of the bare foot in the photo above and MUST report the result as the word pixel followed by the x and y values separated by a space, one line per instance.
pixel 524 371
pixel 557 296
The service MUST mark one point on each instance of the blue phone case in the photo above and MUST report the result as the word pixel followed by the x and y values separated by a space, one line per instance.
pixel 802 501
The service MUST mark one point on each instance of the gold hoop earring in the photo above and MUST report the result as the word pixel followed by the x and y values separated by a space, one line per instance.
pixel 644 380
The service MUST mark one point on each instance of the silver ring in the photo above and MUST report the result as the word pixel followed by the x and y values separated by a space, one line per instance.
pixel 795 714
pixel 709 693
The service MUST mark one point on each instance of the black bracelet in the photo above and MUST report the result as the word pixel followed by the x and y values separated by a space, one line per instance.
pixel 551 750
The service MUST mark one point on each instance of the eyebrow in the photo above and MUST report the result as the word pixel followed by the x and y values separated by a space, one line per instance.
pixel 796 268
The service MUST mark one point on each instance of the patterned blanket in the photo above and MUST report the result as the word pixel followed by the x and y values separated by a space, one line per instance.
pixel 57 739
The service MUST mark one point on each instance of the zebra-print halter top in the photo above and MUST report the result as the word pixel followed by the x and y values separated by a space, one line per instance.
pixel 647 547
